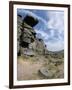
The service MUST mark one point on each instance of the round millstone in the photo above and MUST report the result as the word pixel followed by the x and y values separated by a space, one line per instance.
pixel 45 72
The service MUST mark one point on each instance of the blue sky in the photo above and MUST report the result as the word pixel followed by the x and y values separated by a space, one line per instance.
pixel 50 27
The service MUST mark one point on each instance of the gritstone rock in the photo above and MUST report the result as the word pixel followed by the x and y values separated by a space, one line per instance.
pixel 46 73
pixel 26 36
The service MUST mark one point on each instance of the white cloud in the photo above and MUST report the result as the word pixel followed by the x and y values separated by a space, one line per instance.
pixel 56 20
pixel 43 34
pixel 54 24
pixel 55 46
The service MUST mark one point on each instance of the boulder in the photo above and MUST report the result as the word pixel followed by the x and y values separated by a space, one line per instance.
pixel 30 20
pixel 46 73
pixel 26 51
pixel 26 36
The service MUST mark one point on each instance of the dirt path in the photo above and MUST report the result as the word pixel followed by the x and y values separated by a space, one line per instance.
pixel 27 69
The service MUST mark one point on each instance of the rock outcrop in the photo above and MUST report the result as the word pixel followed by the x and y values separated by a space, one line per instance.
pixel 27 42
pixel 46 64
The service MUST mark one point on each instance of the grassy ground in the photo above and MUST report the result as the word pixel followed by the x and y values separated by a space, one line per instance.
pixel 28 67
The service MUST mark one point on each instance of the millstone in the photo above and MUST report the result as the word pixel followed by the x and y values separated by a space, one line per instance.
pixel 45 72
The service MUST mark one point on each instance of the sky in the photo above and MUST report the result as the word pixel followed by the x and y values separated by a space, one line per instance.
pixel 50 27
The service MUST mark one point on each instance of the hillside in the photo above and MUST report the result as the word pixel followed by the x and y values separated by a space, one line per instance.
pixel 34 60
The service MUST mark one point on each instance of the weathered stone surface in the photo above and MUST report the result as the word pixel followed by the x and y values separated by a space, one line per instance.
pixel 18 46
pixel 30 20
pixel 40 47
pixel 26 35
pixel 45 72
pixel 26 51
pixel 19 22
